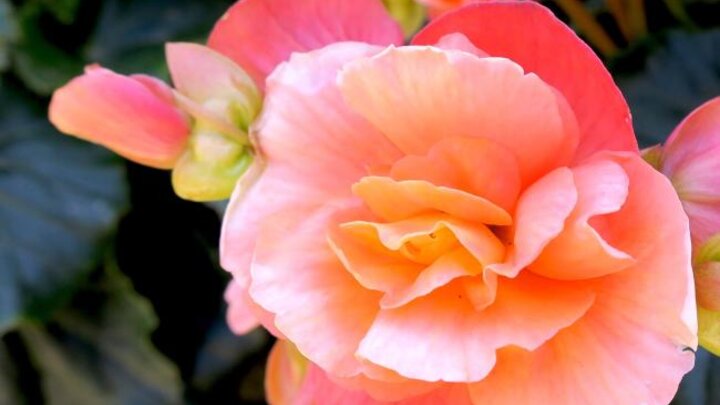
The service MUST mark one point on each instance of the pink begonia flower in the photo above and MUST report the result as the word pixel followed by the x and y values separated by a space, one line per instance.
pixel 691 160
pixel 465 220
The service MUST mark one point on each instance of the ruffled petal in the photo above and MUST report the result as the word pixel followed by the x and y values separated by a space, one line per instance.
pixel 544 45
pixel 293 259
pixel 260 34
pixel 492 98
pixel 124 114
pixel 580 252
pixel 441 337
pixel 539 218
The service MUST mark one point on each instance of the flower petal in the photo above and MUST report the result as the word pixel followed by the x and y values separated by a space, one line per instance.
pixel 602 359
pixel 123 114
pixel 539 218
pixel 544 45
pixel 260 34
pixel 580 252
pixel 440 337
pixel 489 98
pixel 240 316
pixel 292 259
pixel 396 200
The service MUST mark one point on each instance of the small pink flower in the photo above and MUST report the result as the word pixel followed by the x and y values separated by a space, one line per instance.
pixel 464 220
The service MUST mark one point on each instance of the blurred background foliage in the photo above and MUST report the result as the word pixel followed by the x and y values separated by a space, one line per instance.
pixel 110 289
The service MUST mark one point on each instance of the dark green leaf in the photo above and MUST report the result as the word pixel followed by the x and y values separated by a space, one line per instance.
pixel 130 35
pixel 42 66
pixel 97 351
pixel 9 32
pixel 677 79
pixel 63 10
pixel 58 198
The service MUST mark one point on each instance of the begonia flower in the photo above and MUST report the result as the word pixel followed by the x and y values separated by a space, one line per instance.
pixel 464 220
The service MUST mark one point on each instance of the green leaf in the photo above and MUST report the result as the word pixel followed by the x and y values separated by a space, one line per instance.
pixel 58 198
pixel 63 10
pixel 9 32
pixel 97 351
pixel 677 79
pixel 41 66
pixel 130 34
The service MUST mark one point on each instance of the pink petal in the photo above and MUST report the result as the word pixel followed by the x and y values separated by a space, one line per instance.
pixel 580 252
pixel 690 159
pixel 315 148
pixel 260 34
pixel 292 259
pixel 539 218
pixel 240 316
pixel 602 359
pixel 398 92
pixel 544 45
pixel 122 113
pixel 476 165
pixel 441 337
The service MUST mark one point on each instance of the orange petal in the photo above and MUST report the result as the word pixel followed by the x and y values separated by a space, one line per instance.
pixel 440 337
pixel 476 165
pixel 602 359
pixel 546 46
pixel 539 218
pixel 396 200
pixel 285 372
pixel 124 114
pixel 580 252
pixel 489 98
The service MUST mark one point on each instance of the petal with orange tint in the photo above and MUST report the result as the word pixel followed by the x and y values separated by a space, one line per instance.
pixel 372 265
pixel 657 291
pixel 476 165
pixel 292 259
pixel 580 252
pixel 539 218
pixel 602 359
pixel 441 337
pixel 492 98
pixel 260 34
pixel 307 126
pixel 123 114
pixel 314 149
pixel 397 200
pixel 429 236
pixel 557 55
pixel 285 372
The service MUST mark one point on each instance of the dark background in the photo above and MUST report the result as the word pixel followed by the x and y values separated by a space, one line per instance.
pixel 110 289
